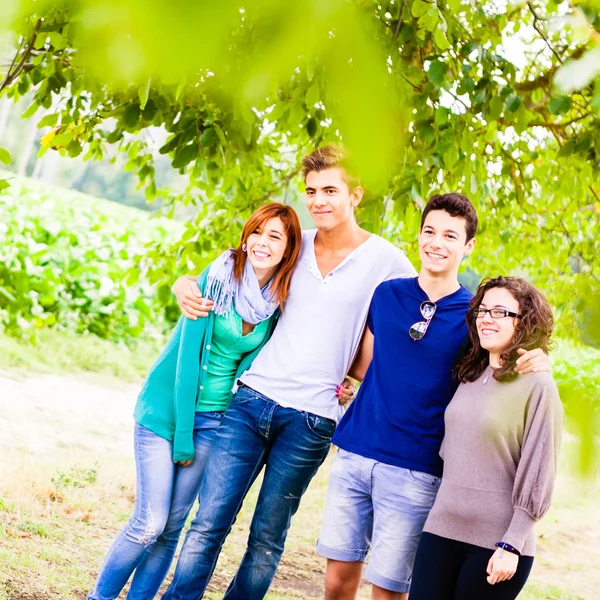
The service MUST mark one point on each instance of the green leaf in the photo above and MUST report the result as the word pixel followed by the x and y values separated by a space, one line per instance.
pixel 48 121
pixel 513 102
pixel 441 41
pixel 30 110
pixel 419 8
pixel 496 107
pixel 58 41
pixel 311 127
pixel 131 115
pixel 560 105
pixel 450 157
pixel 74 148
pixel 522 121
pixel 40 40
pixel 313 95
pixel 209 137
pixel 437 72
pixel 3 291
pixel 5 157
pixel 170 145
pixel 143 93
pixel 150 111
pixel 179 89
pixel 185 155
pixel 114 136
pixel 414 194
pixel 62 139
pixel 221 135
pixel 4 184
pixel 567 149
pixel 441 115
pixel 473 188
pixel 479 97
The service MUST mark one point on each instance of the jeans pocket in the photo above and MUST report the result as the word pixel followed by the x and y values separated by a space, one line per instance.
pixel 425 479
pixel 323 428
pixel 213 414
pixel 244 394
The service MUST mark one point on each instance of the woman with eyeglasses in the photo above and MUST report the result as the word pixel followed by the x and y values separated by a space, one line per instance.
pixel 502 435
pixel 187 391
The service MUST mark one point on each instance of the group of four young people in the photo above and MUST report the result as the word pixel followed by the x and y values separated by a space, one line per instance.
pixel 282 318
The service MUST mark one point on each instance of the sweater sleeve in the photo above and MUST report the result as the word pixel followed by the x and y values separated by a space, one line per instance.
pixel 536 471
pixel 186 387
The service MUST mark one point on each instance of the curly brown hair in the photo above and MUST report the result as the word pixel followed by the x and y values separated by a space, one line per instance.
pixel 533 329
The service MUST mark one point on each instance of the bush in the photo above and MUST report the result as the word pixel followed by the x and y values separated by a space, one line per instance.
pixel 69 261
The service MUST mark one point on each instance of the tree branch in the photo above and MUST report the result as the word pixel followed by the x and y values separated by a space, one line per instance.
pixel 399 26
pixel 15 71
pixel 545 79
pixel 536 18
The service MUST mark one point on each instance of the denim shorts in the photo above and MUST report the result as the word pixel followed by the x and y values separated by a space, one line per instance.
pixel 379 507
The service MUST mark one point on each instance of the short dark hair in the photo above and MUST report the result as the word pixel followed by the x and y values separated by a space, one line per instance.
pixel 328 157
pixel 456 205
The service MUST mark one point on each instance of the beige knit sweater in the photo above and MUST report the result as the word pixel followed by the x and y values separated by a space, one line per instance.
pixel 500 451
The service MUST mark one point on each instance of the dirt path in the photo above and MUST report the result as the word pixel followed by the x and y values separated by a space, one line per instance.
pixel 50 422
pixel 42 413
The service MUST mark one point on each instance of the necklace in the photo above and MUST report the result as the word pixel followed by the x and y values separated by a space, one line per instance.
pixel 488 374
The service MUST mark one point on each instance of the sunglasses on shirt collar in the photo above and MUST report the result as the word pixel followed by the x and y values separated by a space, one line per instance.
pixel 418 330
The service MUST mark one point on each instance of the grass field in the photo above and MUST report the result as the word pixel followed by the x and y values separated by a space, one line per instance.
pixel 67 486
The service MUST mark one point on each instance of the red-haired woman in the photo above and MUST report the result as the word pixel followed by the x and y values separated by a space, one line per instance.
pixel 187 391
pixel 500 451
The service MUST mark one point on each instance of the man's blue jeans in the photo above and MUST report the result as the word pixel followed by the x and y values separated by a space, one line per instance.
pixel 254 432
pixel 165 494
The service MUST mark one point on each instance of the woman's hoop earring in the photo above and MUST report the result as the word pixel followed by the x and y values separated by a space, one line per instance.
pixel 244 247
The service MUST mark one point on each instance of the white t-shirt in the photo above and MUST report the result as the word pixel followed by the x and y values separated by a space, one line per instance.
pixel 319 331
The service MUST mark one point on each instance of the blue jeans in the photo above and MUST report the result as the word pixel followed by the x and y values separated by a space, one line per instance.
pixel 165 494
pixel 255 432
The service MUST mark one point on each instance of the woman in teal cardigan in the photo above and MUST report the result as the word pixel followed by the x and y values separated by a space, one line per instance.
pixel 187 391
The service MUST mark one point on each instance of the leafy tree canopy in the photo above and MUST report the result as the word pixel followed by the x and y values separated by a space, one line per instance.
pixel 499 100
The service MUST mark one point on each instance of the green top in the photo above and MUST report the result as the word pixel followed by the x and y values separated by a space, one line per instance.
pixel 227 348
pixel 174 385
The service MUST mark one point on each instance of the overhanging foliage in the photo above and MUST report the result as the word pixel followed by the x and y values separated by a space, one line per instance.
pixel 495 99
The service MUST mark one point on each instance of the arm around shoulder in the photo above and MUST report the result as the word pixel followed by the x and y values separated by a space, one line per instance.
pixel 401 267
pixel 190 298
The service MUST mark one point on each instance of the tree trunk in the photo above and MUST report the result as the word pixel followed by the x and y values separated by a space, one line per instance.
pixel 28 147
pixel 5 105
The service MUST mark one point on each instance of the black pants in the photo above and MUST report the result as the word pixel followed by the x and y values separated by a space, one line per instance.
pixel 450 570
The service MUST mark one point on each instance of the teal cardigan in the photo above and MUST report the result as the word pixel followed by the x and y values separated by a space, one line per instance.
pixel 168 398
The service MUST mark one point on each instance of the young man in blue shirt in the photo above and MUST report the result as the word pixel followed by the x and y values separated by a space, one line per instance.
pixel 385 476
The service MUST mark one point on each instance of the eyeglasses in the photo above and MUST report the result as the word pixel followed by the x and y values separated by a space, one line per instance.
pixel 418 330
pixel 495 313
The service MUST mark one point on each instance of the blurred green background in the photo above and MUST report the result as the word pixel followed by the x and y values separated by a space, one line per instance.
pixel 194 113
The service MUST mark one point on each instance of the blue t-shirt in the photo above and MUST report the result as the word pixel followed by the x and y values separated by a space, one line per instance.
pixel 398 415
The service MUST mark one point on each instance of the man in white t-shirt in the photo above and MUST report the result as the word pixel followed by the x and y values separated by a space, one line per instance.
pixel 286 410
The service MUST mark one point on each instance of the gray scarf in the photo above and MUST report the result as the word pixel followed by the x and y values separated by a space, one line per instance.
pixel 251 303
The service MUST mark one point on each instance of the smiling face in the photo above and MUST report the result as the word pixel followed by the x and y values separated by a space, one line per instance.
pixel 329 199
pixel 442 242
pixel 266 246
pixel 496 335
